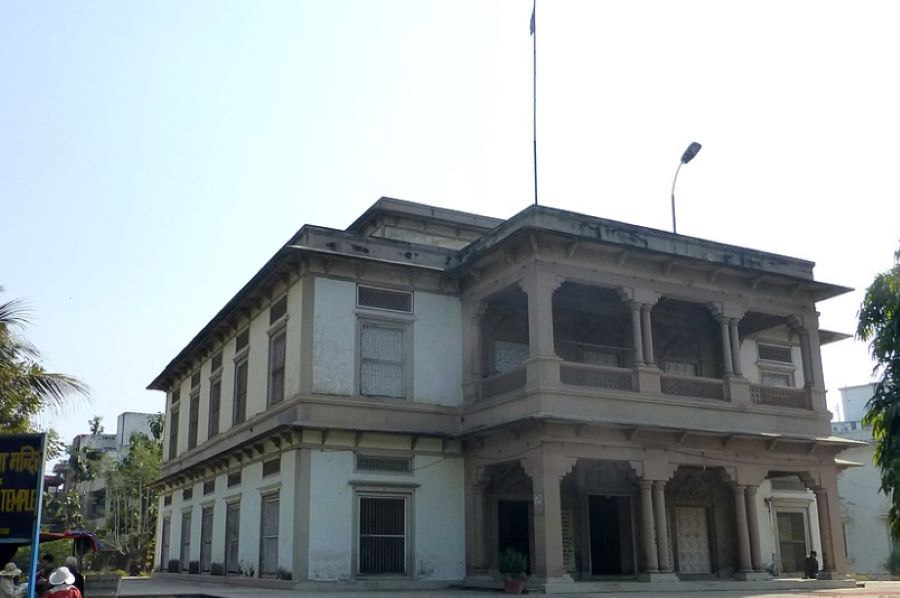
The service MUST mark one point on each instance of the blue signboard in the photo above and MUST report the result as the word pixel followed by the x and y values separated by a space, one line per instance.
pixel 21 481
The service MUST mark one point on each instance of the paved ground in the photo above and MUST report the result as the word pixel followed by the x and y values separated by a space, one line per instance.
pixel 135 587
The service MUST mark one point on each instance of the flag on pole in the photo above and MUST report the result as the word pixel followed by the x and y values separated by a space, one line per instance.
pixel 532 20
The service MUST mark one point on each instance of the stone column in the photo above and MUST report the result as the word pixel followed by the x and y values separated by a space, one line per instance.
pixel 648 334
pixel 636 328
pixel 543 363
pixel 736 346
pixel 825 530
pixel 546 472
pixel 662 528
pixel 477 479
pixel 753 524
pixel 743 534
pixel 473 366
pixel 651 561
pixel 727 359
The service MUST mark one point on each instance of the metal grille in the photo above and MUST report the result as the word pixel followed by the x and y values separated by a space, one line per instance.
pixel 232 528
pixel 272 466
pixel 509 355
pixel 595 377
pixel 268 537
pixel 278 309
pixel 234 479
pixel 775 353
pixel 387 464
pixel 692 387
pixel 276 368
pixel 382 361
pixel 384 299
pixel 215 405
pixel 206 531
pixel 798 398
pixel 382 535
pixel 209 487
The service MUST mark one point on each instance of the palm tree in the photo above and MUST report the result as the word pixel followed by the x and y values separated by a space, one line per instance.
pixel 26 388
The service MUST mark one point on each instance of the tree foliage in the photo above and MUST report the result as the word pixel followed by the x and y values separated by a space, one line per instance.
pixel 26 387
pixel 879 324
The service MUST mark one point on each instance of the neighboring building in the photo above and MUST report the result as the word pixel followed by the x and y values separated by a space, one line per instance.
pixel 411 396
pixel 864 508
pixel 104 449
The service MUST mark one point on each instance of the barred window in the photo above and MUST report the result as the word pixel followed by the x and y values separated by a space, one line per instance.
pixel 278 309
pixel 384 464
pixel 382 535
pixel 777 353
pixel 373 298
pixel 239 413
pixel 272 466
pixel 234 479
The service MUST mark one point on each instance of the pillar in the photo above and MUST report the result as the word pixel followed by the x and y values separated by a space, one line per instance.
pixel 648 333
pixel 727 359
pixel 546 472
pixel 477 479
pixel 825 529
pixel 753 524
pixel 735 346
pixel 743 535
pixel 662 528
pixel 539 286
pixel 636 328
pixel 651 561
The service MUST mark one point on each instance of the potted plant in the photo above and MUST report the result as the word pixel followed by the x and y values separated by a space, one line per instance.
pixel 513 565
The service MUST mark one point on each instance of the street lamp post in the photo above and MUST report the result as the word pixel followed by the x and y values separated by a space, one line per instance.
pixel 686 157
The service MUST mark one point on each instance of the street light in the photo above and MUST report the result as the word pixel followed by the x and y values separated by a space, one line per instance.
pixel 686 157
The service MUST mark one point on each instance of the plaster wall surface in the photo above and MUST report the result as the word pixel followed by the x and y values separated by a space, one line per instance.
pixel 330 519
pixel 852 406
pixel 864 509
pixel 750 362
pixel 437 343
pixel 334 337
pixel 768 503
pixel 439 518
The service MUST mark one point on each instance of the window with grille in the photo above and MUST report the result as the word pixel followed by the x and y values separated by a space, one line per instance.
pixel 272 466
pixel 680 368
pixel 216 362
pixel 241 341
pixel 187 494
pixel 776 379
pixel 382 535
pixel 165 539
pixel 195 379
pixel 209 487
pixel 777 353
pixel 215 406
pixel 167 500
pixel 232 530
pixel 234 479
pixel 268 546
pixel 239 413
pixel 278 309
pixel 173 433
pixel 508 355
pixel 185 556
pixel 193 419
pixel 372 298
pixel 276 367
pixel 206 531
pixel 382 361
pixel 385 464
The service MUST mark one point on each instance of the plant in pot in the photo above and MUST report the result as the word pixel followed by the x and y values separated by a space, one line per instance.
pixel 513 565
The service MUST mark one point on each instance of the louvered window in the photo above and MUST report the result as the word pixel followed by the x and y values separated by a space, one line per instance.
pixel 193 418
pixel 271 467
pixel 232 531
pixel 165 539
pixel 241 341
pixel 278 309
pixel 206 531
pixel 385 464
pixel 216 362
pixel 372 298
pixel 268 548
pixel 276 367
pixel 185 541
pixel 382 535
pixel 173 433
pixel 775 353
pixel 234 479
pixel 382 363
pixel 215 406
pixel 239 413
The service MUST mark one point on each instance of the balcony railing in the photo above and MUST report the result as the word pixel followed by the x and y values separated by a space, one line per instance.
pixel 692 386
pixel 779 396
pixel 595 376
pixel 502 383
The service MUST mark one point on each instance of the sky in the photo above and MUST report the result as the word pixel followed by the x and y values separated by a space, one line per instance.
pixel 154 154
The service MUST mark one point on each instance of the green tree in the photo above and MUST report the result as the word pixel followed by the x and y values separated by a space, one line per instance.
pixel 879 324
pixel 26 388
pixel 131 504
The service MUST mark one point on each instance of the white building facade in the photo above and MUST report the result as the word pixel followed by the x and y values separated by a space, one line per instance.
pixel 409 397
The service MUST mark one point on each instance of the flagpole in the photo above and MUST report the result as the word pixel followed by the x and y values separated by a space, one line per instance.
pixel 534 96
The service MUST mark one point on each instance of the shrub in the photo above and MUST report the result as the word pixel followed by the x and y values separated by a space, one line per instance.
pixel 217 569
pixel 174 566
pixel 893 562
pixel 513 563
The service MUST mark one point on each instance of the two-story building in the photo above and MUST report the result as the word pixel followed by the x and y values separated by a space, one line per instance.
pixel 413 395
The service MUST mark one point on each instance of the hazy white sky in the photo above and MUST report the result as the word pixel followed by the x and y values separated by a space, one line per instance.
pixel 154 154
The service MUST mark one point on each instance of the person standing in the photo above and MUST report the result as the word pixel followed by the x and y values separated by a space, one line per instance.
pixel 811 566
pixel 61 586
pixel 9 576
pixel 72 564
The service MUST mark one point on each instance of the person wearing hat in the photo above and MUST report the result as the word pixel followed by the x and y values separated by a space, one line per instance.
pixel 72 563
pixel 8 586
pixel 61 586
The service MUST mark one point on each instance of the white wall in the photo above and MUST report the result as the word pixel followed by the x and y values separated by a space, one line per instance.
pixel 438 511
pixel 750 355
pixel 768 501
pixel 436 339
pixel 853 402
pixel 865 514
pixel 128 423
